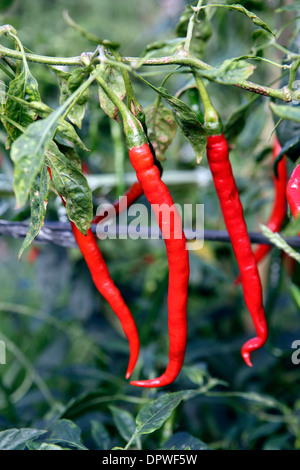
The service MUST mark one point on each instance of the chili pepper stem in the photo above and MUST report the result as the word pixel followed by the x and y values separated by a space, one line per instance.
pixel 212 120
pixel 132 127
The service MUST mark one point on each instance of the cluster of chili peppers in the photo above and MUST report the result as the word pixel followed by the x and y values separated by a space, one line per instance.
pixel 149 183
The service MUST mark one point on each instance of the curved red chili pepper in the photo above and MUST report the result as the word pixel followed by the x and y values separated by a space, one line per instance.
pixel 293 192
pixel 132 194
pixel 105 285
pixel 218 159
pixel 157 193
pixel 278 213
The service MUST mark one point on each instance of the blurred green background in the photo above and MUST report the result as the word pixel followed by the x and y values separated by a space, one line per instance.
pixel 66 355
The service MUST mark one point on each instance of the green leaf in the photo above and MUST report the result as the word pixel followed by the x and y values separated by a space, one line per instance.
pixel 38 205
pixel 16 439
pixel 231 71
pixel 153 415
pixel 43 446
pixel 278 241
pixel 24 86
pixel 114 78
pixel 67 432
pixel 182 440
pixel 100 435
pixel 2 93
pixel 68 83
pixel 161 128
pixel 187 120
pixel 63 127
pixel 124 422
pixel 72 185
pixel 164 48
pixel 256 20
pixel 292 113
pixel 27 153
pixel 236 122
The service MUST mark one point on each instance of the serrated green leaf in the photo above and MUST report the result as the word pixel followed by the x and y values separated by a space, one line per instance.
pixel 124 422
pixel 38 206
pixel 161 127
pixel 115 80
pixel 16 439
pixel 72 185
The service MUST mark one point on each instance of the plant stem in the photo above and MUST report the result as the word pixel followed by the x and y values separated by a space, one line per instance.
pixel 117 138
pixel 294 67
pixel 132 127
pixel 132 102
pixel 6 52
pixel 181 58
pixel 191 25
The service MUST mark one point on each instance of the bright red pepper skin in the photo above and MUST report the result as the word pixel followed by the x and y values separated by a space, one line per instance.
pixel 218 159
pixel 105 285
pixel 157 193
pixel 132 194
pixel 279 209
pixel 293 192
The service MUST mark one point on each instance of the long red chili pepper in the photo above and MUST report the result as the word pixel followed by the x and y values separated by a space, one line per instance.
pixel 218 159
pixel 278 213
pixel 293 192
pixel 157 193
pixel 105 285
pixel 132 194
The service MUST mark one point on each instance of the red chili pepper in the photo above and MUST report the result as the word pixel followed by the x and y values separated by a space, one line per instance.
pixel 157 193
pixel 105 285
pixel 279 206
pixel 293 192
pixel 132 194
pixel 218 159
pixel 33 255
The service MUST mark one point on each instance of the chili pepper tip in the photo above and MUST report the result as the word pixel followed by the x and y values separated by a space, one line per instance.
pixel 246 357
